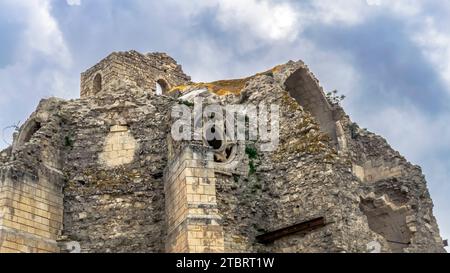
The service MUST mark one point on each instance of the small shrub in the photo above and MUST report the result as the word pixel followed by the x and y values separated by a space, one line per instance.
pixel 68 142
pixel 187 103
pixel 252 168
pixel 251 152
pixel 334 98
pixel 354 130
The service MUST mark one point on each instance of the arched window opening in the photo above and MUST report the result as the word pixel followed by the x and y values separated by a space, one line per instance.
pixel 28 132
pixel 97 83
pixel 31 131
pixel 212 140
pixel 161 87
pixel 223 151
pixel 158 89
pixel 215 143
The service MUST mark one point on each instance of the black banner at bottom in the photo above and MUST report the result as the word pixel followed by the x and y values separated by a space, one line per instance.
pixel 225 262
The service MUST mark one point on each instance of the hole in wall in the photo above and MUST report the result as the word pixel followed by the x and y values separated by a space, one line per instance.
pixel 215 143
pixel 34 127
pixel 229 151
pixel 81 182
pixel 97 85
pixel 157 175
pixel 211 138
pixel 225 154
pixel 223 151
pixel 161 87
pixel 388 220
pixel 27 133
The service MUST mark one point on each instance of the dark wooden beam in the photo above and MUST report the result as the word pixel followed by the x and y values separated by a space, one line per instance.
pixel 306 226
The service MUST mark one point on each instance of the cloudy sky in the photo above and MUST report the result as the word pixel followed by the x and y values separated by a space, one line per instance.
pixel 391 58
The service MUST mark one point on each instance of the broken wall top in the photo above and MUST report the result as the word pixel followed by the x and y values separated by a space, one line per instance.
pixel 145 71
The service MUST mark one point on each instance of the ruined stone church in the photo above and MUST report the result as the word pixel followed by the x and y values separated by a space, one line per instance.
pixel 102 173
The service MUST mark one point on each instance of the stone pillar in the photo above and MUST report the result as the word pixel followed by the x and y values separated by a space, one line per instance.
pixel 193 221
pixel 341 139
pixel 31 214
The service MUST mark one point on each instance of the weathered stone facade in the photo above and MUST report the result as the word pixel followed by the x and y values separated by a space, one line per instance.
pixel 143 70
pixel 103 174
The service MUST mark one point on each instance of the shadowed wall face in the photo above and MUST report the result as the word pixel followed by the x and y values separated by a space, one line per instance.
pixel 307 92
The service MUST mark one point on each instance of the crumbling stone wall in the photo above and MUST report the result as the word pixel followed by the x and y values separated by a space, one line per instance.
pixel 5 155
pixel 142 70
pixel 386 174
pixel 301 180
pixel 305 89
pixel 388 220
pixel 102 172
pixel 31 199
pixel 118 205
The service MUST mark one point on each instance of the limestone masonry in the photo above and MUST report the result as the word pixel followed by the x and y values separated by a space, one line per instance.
pixel 103 174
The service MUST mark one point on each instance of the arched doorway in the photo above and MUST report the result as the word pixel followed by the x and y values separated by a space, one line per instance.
pixel 97 85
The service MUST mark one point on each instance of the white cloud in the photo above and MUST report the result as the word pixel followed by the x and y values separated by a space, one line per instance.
pixel 405 7
pixel 337 11
pixel 414 124
pixel 41 33
pixel 429 34
pixel 40 40
pixel 73 2
pixel 436 46
pixel 351 12
pixel 265 19
pixel 41 60
pixel 204 64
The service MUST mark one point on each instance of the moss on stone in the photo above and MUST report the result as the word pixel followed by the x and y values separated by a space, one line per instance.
pixel 251 151
pixel 252 167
